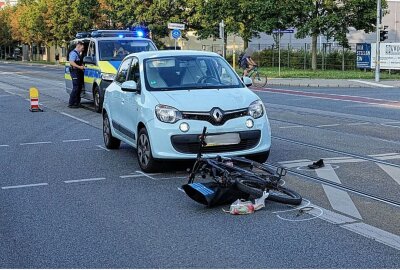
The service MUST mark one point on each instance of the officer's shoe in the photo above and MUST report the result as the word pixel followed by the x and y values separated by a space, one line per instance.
pixel 73 106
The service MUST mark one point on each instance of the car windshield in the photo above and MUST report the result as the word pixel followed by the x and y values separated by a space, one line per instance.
pixel 189 72
pixel 116 50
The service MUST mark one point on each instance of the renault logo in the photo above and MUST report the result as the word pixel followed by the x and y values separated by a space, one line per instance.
pixel 217 114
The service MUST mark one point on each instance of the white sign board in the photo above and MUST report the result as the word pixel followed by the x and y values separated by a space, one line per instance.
pixel 390 55
pixel 179 26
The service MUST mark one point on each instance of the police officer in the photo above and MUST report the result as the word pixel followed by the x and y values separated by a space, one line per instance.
pixel 76 71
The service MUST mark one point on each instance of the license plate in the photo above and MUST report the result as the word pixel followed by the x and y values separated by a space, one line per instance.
pixel 222 139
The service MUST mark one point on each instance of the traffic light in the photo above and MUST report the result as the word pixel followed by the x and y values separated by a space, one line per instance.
pixel 383 34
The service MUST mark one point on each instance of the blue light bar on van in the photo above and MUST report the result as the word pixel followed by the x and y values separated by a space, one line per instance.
pixel 137 31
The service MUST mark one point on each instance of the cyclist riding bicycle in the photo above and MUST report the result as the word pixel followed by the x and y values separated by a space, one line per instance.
pixel 248 65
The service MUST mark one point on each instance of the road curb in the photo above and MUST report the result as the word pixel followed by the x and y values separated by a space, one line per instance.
pixel 317 85
pixel 28 64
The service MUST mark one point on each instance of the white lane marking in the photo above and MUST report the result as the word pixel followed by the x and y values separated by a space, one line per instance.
pixel 393 172
pixel 296 164
pixel 103 148
pixel 340 200
pixel 294 161
pixel 84 180
pixel 395 122
pixel 131 176
pixel 373 84
pixel 335 99
pixel 389 157
pixel 338 160
pixel 79 140
pixel 382 155
pixel 34 143
pixel 291 127
pixel 147 175
pixel 331 125
pixel 5 95
pixel 76 118
pixel 139 175
pixel 24 186
pixel 168 178
pixel 343 160
pixel 4 145
pixel 180 189
pixel 358 124
pixel 374 233
pixel 388 125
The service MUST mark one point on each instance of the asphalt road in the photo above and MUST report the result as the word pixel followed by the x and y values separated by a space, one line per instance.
pixel 66 202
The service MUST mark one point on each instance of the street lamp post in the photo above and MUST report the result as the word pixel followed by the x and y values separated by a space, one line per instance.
pixel 378 41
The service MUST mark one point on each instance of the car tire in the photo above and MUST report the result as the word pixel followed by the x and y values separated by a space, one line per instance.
pixel 260 158
pixel 109 141
pixel 145 158
pixel 98 103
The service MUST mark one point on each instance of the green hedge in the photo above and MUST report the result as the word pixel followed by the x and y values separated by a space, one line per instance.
pixel 300 59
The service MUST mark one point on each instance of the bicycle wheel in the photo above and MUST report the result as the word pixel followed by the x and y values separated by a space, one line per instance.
pixel 258 80
pixel 277 194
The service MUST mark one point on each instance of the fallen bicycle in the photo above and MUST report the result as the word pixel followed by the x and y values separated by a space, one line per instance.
pixel 224 180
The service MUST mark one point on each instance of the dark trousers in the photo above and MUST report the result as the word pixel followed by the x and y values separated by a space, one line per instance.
pixel 77 85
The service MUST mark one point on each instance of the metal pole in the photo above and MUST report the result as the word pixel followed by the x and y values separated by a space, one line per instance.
pixel 279 53
pixel 234 54
pixel 378 41
pixel 175 44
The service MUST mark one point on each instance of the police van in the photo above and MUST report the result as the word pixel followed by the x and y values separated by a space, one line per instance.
pixel 103 53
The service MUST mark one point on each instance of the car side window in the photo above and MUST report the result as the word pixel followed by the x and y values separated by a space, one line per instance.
pixel 134 73
pixel 123 71
pixel 92 50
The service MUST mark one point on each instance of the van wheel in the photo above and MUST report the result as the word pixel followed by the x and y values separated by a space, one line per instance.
pixel 146 161
pixel 98 104
pixel 109 141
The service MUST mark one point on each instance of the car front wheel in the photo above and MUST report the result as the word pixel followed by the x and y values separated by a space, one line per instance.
pixel 146 161
pixel 109 141
pixel 98 104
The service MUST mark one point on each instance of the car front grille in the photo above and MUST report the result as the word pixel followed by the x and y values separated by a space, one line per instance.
pixel 189 144
pixel 207 116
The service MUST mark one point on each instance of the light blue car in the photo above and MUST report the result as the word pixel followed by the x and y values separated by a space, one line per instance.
pixel 160 101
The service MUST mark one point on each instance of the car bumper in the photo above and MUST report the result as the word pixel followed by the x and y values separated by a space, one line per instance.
pixel 169 142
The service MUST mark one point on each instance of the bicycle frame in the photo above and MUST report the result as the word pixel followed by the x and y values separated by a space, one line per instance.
pixel 226 165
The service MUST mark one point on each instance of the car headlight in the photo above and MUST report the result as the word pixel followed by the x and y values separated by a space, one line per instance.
pixel 168 114
pixel 256 109
pixel 107 76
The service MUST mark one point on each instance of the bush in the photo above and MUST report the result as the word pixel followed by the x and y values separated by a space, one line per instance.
pixel 301 59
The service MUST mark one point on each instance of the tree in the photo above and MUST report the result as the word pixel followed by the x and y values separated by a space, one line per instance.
pixel 157 14
pixel 5 26
pixel 331 18
pixel 241 17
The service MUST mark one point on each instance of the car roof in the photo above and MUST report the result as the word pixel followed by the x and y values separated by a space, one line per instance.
pixel 112 38
pixel 124 38
pixel 165 53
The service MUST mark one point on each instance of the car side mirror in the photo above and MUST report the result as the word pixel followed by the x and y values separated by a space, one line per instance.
pixel 247 81
pixel 89 60
pixel 129 86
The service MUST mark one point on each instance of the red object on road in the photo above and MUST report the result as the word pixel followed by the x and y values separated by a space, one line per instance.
pixel 34 96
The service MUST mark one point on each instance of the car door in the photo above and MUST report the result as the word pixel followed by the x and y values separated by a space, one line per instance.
pixel 117 99
pixel 90 71
pixel 130 102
